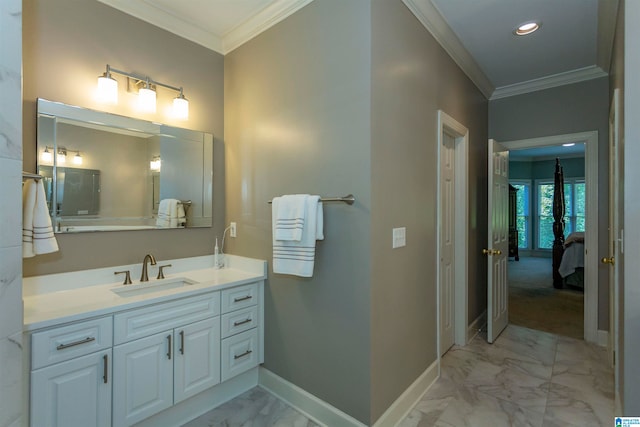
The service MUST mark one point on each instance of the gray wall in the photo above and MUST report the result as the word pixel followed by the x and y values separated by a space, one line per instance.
pixel 297 120
pixel 413 77
pixel 10 214
pixel 566 109
pixel 67 44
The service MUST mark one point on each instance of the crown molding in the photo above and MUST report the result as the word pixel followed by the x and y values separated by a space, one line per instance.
pixel 265 19
pixel 430 17
pixel 555 80
pixel 225 43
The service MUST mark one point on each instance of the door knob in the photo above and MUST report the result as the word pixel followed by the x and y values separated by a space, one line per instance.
pixel 606 260
pixel 497 252
pixel 487 252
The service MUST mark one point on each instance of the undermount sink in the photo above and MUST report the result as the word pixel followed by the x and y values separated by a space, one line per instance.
pixel 126 291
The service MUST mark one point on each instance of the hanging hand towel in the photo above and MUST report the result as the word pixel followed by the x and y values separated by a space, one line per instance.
pixel 182 217
pixel 37 232
pixel 289 217
pixel 298 258
pixel 167 213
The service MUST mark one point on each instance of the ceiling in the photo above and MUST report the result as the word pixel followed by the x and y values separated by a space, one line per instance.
pixel 573 44
pixel 547 153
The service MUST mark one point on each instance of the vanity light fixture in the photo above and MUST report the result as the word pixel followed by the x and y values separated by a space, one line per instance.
pixel 155 164
pixel 62 155
pixel 77 159
pixel 108 92
pixel 527 28
pixel 46 156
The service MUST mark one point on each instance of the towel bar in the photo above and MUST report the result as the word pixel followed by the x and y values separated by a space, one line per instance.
pixel 30 175
pixel 348 199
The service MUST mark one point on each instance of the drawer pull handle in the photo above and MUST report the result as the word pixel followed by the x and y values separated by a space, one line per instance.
pixel 75 343
pixel 246 353
pixel 169 347
pixel 242 298
pixel 242 322
pixel 105 374
pixel 181 342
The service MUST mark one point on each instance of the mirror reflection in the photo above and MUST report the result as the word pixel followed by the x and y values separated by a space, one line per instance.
pixel 107 172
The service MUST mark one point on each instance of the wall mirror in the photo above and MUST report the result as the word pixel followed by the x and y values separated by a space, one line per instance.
pixel 104 172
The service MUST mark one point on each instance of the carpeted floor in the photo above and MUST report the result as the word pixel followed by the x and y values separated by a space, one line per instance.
pixel 536 304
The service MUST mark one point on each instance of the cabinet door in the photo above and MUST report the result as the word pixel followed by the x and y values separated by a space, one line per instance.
pixel 143 378
pixel 197 358
pixel 73 393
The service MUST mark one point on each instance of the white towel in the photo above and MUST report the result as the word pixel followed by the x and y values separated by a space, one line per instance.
pixel 167 213
pixel 298 258
pixel 37 232
pixel 289 216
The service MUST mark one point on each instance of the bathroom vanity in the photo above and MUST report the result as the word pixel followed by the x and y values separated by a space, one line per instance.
pixel 101 353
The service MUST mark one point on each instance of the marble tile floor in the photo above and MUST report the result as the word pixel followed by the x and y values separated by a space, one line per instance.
pixel 526 378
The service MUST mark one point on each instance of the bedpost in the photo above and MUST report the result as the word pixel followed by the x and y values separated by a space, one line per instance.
pixel 558 223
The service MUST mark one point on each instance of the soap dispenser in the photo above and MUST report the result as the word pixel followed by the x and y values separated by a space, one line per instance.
pixel 216 256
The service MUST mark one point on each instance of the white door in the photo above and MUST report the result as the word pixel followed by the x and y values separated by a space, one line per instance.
pixel 73 393
pixel 447 240
pixel 196 358
pixel 498 242
pixel 143 378
pixel 614 231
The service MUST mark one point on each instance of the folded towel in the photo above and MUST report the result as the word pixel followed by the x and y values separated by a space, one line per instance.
pixel 167 213
pixel 289 217
pixel 293 257
pixel 37 232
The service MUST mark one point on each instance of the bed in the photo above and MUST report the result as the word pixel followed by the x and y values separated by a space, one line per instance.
pixel 572 265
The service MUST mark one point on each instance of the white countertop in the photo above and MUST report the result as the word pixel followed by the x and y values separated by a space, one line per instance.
pixel 45 307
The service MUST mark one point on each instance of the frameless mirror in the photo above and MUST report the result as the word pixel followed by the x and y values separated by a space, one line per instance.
pixel 106 172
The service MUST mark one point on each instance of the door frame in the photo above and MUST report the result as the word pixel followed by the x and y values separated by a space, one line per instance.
pixel 451 126
pixel 590 139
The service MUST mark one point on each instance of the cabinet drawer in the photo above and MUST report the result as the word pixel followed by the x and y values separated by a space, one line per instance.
pixel 239 321
pixel 239 353
pixel 67 342
pixel 147 321
pixel 239 297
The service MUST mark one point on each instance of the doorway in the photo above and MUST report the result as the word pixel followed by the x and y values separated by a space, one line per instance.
pixel 590 308
pixel 452 274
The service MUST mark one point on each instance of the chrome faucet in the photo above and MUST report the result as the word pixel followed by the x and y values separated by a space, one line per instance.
pixel 145 274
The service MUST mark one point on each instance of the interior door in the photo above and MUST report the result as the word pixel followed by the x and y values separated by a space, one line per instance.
pixel 614 230
pixel 498 240
pixel 447 242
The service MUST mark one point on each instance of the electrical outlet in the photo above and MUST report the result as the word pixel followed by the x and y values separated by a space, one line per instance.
pixel 232 229
pixel 399 237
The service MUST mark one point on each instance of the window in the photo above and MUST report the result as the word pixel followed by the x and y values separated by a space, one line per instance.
pixel 574 199
pixel 523 212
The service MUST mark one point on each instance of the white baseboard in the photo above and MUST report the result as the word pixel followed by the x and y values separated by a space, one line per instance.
pixel 476 325
pixel 326 415
pixel 304 402
pixel 603 338
pixel 407 400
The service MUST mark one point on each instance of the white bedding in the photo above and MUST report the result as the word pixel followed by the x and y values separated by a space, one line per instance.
pixel 572 258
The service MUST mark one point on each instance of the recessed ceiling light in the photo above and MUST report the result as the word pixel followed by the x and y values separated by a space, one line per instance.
pixel 527 28
pixel 570 144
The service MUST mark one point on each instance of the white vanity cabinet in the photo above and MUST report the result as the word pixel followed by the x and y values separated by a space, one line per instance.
pixel 152 360
pixel 155 372
pixel 71 375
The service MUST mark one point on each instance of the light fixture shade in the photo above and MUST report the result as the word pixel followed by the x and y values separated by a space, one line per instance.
pixel 46 156
pixel 61 157
pixel 155 164
pixel 107 90
pixel 180 108
pixel 77 159
pixel 147 100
